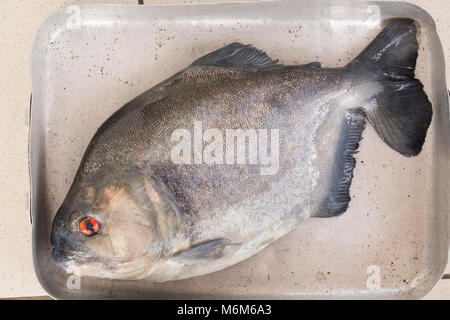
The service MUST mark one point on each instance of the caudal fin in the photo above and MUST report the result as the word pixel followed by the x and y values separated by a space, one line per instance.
pixel 401 113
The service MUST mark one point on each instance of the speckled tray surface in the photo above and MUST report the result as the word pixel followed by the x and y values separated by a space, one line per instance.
pixel 392 242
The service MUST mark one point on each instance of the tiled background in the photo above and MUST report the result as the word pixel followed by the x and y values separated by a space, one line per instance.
pixel 19 21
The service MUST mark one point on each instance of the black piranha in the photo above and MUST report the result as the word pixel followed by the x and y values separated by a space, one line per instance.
pixel 165 191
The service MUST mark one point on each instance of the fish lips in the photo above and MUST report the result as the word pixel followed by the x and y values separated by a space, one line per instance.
pixel 61 256
pixel 62 252
pixel 68 259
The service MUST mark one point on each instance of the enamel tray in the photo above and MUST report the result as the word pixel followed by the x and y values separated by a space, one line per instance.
pixel 87 61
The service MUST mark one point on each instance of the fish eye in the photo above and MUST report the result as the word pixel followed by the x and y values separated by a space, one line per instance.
pixel 89 226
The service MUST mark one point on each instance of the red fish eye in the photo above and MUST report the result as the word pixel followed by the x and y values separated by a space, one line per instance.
pixel 89 226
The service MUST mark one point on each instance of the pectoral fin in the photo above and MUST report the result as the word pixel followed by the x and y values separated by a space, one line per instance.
pixel 213 249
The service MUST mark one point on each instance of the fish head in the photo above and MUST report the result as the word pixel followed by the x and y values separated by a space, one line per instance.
pixel 106 228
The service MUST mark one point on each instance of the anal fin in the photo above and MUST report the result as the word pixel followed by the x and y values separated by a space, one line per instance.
pixel 338 198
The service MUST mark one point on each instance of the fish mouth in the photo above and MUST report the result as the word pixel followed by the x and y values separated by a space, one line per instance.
pixel 69 259
pixel 83 264
pixel 62 255
pixel 64 259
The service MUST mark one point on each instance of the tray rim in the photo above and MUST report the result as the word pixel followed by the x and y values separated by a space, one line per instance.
pixel 32 173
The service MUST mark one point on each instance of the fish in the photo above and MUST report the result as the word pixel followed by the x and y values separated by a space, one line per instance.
pixel 217 162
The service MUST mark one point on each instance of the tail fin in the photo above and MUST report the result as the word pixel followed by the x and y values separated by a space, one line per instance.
pixel 401 113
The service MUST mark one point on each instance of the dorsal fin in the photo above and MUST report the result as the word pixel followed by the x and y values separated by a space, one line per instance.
pixel 237 55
